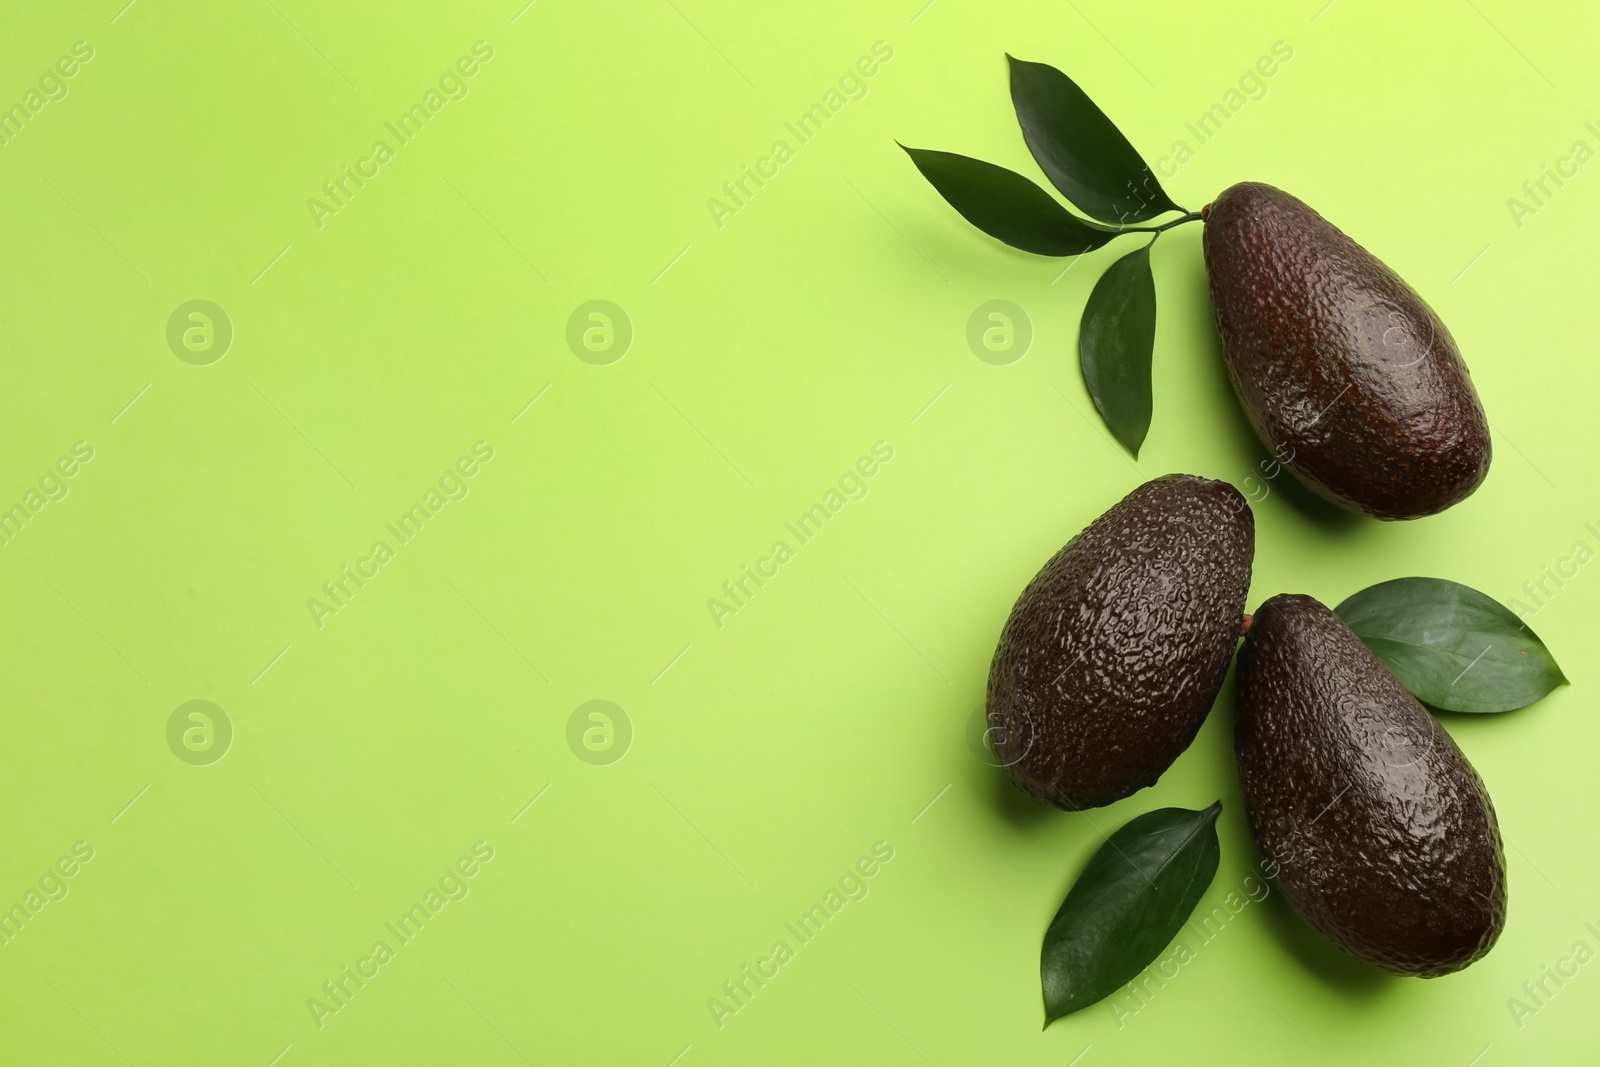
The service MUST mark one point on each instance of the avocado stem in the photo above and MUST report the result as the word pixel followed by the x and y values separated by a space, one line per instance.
pixel 1245 624
pixel 1193 216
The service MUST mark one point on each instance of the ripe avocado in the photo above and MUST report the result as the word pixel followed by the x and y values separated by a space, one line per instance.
pixel 1379 831
pixel 1341 367
pixel 1115 652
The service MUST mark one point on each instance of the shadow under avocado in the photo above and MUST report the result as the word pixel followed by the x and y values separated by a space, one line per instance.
pixel 1338 969
pixel 1248 443
pixel 1015 806
pixel 1327 515
pixel 1230 422
pixel 1297 937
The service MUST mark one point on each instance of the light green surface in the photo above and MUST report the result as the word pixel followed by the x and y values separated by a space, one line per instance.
pixel 769 354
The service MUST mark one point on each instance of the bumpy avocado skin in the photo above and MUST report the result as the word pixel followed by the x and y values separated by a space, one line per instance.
pixel 1379 831
pixel 1114 653
pixel 1343 370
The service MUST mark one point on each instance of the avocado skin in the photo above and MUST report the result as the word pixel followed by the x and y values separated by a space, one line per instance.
pixel 1382 834
pixel 1343 370
pixel 1116 650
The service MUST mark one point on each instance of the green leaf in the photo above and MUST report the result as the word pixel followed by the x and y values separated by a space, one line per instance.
pixel 1116 343
pixel 1007 206
pixel 1452 646
pixel 1125 907
pixel 1080 150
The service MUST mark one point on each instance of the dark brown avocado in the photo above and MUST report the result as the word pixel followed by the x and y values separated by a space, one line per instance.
pixel 1115 652
pixel 1343 370
pixel 1378 830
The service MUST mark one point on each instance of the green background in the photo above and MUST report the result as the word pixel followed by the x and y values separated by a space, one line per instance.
pixel 769 353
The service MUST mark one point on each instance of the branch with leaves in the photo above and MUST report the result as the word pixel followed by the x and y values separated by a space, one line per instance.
pixel 1094 166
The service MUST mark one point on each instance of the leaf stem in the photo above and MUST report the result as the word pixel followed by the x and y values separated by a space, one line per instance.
pixel 1193 216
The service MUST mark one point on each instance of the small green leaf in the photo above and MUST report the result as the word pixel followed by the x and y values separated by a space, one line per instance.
pixel 1452 646
pixel 1080 150
pixel 1116 344
pixel 1126 906
pixel 1007 206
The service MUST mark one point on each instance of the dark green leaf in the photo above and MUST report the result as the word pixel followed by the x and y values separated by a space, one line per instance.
pixel 1081 151
pixel 1452 646
pixel 1115 345
pixel 1007 206
pixel 1125 907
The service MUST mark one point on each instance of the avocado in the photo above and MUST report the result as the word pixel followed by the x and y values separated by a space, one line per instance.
pixel 1115 652
pixel 1343 370
pixel 1378 830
